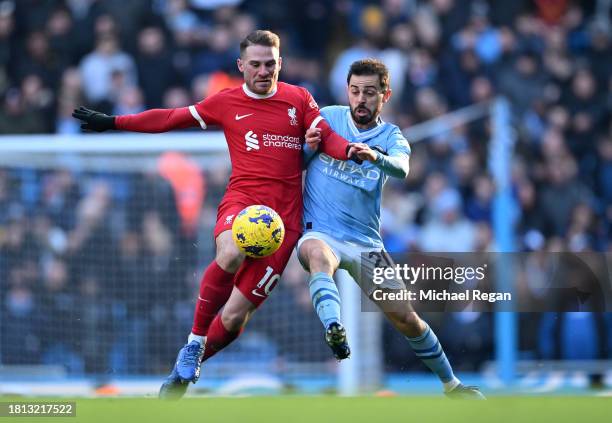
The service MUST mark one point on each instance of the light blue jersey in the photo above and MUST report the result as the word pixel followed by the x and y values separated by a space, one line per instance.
pixel 342 198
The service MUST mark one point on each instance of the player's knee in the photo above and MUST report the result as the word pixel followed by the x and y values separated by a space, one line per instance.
pixel 320 260
pixel 228 257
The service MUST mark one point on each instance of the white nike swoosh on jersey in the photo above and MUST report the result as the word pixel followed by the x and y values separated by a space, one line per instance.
pixel 258 294
pixel 200 298
pixel 238 117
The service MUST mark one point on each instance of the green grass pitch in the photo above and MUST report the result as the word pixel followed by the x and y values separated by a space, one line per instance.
pixel 337 410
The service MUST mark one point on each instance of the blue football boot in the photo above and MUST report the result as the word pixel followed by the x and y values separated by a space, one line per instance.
pixel 185 370
pixel 189 361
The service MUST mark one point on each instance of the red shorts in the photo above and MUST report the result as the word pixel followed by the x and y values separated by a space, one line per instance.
pixel 257 277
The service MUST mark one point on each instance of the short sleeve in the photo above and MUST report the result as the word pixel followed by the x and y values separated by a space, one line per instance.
pixel 209 111
pixel 398 144
pixel 311 113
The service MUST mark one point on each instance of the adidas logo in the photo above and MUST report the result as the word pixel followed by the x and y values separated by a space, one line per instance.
pixel 252 143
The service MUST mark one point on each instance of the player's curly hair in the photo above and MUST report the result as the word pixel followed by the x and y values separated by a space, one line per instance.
pixel 260 38
pixel 370 67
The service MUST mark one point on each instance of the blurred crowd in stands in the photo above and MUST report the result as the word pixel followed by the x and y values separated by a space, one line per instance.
pixel 85 256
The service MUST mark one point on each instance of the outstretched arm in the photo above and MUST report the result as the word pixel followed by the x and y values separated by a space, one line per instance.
pixel 157 120
pixel 395 164
pixel 152 121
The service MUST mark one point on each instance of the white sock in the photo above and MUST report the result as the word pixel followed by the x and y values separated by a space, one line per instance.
pixel 449 386
pixel 193 337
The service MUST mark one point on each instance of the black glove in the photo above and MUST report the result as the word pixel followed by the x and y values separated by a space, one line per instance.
pixel 354 157
pixel 94 121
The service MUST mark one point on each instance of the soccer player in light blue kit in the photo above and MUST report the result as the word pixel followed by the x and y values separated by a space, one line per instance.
pixel 342 217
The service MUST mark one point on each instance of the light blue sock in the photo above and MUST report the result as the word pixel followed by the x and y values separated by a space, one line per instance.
pixel 428 349
pixel 325 297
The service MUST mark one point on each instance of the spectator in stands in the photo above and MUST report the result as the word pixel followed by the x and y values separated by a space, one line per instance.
pixel 62 38
pixel 469 334
pixel 583 233
pixel 40 60
pixel 561 194
pixel 150 192
pixel 156 72
pixel 38 99
pixel 130 100
pixel 522 82
pixel 532 225
pixel 96 322
pixel 183 23
pixel 21 341
pixel 479 205
pixel 70 96
pixel 16 119
pixel 5 197
pixel 7 43
pixel 59 196
pixel 585 107
pixel 220 55
pixel 132 328
pixel 447 229
pixel 97 69
pixel 58 304
pixel 90 245
pixel 176 97
pixel 601 177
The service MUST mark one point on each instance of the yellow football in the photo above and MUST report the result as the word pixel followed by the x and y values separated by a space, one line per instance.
pixel 258 231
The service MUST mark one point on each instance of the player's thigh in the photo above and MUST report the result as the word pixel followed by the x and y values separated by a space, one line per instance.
pixel 317 256
pixel 322 247
pixel 228 256
pixel 257 277
pixel 361 262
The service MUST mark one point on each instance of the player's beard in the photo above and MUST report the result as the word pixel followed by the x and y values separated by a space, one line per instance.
pixel 364 119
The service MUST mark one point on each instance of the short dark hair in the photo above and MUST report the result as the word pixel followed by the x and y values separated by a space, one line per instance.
pixel 261 38
pixel 370 67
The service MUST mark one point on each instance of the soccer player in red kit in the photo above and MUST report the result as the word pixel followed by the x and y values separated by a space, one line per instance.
pixel 264 122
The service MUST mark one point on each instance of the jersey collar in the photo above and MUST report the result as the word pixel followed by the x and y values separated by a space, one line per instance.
pixel 362 136
pixel 251 94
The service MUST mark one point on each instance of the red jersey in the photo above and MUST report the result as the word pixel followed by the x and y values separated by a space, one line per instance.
pixel 265 135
